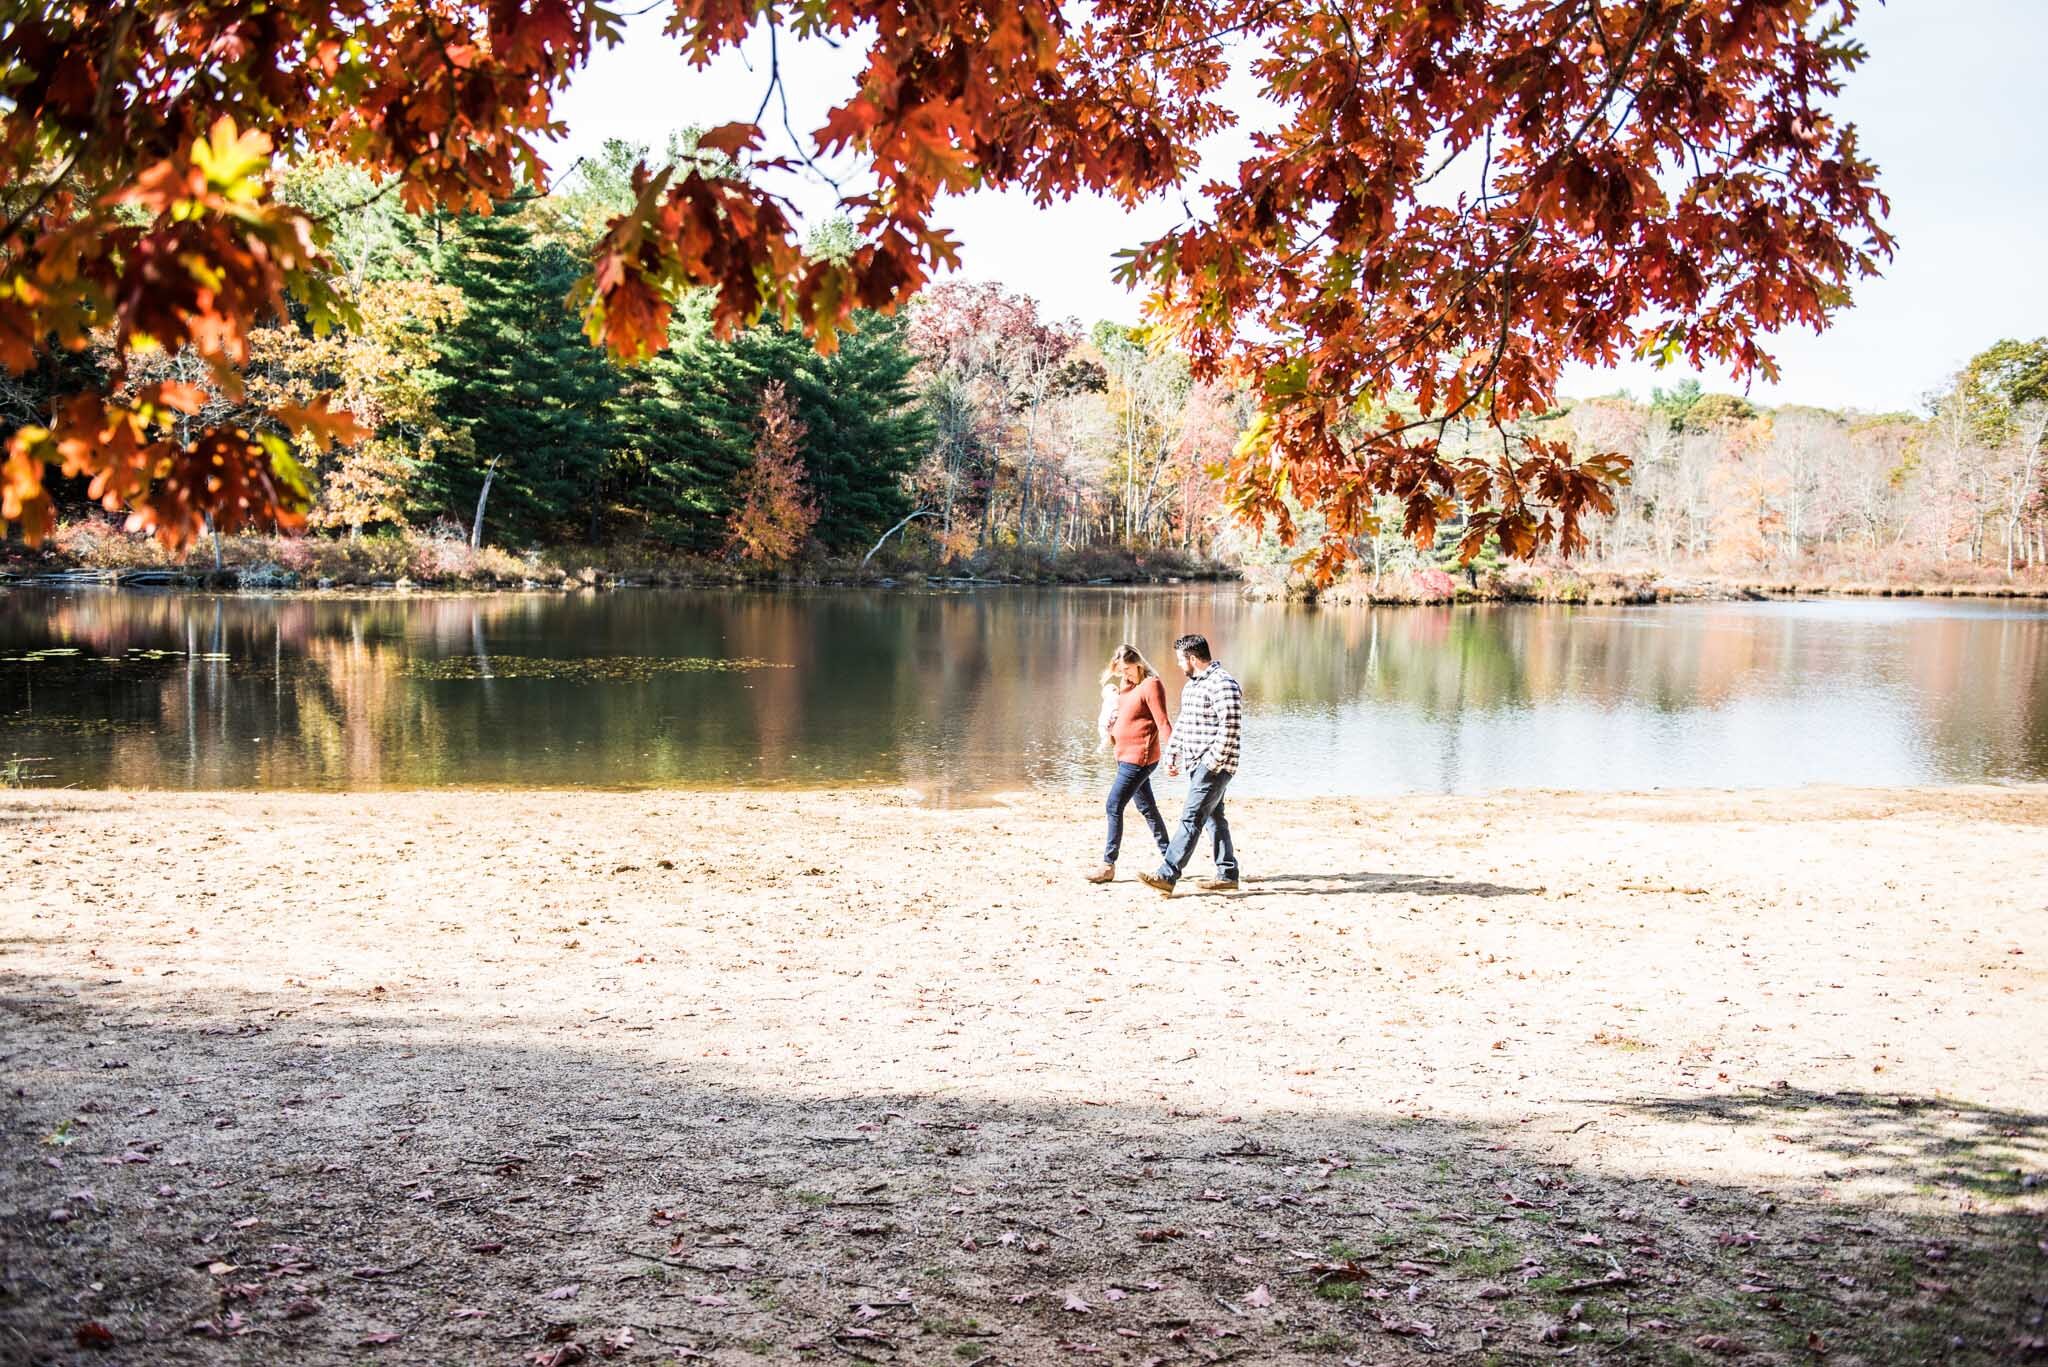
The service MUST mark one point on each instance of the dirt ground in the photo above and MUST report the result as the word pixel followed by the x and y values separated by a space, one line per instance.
pixel 548 1077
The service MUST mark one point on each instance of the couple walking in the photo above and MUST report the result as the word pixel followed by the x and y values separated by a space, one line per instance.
pixel 1205 743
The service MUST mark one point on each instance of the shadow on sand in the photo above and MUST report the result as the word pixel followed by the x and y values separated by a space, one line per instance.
pixel 1374 884
pixel 230 1179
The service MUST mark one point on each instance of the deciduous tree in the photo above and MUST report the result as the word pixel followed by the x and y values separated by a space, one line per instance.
pixel 773 510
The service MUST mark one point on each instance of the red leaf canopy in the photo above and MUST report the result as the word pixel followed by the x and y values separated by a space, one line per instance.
pixel 1458 199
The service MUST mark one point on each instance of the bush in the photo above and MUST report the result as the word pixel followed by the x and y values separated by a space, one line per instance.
pixel 1432 586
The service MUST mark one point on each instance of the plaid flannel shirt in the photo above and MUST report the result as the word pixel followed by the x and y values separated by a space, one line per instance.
pixel 1205 735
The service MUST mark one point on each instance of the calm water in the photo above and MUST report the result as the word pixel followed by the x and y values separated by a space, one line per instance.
pixel 962 695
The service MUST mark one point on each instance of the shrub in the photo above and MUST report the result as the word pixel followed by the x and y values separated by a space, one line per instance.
pixel 1432 586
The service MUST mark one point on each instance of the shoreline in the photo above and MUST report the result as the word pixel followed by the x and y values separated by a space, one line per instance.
pixel 1568 593
pixel 745 1071
pixel 1085 799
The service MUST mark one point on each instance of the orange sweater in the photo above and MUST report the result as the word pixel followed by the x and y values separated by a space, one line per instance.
pixel 1141 730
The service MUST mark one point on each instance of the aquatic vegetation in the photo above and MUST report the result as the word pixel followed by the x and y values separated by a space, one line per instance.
pixel 599 668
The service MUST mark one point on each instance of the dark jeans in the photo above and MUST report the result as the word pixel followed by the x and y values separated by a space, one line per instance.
pixel 1205 804
pixel 1132 781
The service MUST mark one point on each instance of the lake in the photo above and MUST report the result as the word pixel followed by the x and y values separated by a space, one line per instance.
pixel 972 694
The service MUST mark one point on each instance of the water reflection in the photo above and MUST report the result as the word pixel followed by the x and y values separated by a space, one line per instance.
pixel 962 695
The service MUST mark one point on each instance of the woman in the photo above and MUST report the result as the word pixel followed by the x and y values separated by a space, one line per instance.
pixel 1134 723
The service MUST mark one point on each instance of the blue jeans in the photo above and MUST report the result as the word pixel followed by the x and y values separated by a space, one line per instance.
pixel 1132 781
pixel 1205 805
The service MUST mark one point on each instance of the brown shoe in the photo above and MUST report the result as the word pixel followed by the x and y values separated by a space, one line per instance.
pixel 1218 885
pixel 1156 883
pixel 1103 874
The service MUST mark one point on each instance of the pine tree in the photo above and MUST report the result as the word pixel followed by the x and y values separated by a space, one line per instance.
pixel 534 397
pixel 678 418
pixel 868 431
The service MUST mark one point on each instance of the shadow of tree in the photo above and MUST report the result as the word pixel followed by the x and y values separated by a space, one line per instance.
pixel 1374 884
pixel 219 1178
pixel 1929 1144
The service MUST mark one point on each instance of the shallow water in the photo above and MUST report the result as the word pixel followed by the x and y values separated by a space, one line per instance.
pixel 965 695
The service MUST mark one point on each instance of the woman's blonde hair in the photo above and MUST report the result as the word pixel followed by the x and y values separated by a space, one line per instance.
pixel 1113 673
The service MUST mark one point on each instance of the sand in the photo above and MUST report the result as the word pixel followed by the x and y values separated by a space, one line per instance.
pixel 733 1077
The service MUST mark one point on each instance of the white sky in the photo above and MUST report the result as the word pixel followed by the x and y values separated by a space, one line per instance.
pixel 1950 106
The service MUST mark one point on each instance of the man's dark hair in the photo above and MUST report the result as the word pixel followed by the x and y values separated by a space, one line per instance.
pixel 1191 644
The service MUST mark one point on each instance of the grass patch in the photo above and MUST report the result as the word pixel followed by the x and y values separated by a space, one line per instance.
pixel 1328 1341
pixel 1496 1258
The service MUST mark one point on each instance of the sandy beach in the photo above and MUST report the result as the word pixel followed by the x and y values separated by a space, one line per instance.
pixel 560 1076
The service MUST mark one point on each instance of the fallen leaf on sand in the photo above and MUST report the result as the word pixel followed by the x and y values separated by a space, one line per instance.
pixel 1075 1304
pixel 1407 1328
pixel 562 1293
pixel 93 1334
pixel 379 1339
pixel 1720 1343
pixel 303 1308
pixel 1259 1297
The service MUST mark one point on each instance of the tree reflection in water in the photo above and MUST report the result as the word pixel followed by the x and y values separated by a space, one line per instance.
pixel 961 695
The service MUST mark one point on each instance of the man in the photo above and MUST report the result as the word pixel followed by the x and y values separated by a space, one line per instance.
pixel 1205 738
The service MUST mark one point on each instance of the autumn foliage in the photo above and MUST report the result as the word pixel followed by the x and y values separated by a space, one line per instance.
pixel 1454 200
pixel 773 510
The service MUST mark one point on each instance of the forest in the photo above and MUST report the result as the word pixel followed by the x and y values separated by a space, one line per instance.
pixel 492 425
pixel 967 433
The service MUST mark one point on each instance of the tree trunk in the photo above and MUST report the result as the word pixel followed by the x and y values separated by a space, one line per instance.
pixel 921 512
pixel 483 495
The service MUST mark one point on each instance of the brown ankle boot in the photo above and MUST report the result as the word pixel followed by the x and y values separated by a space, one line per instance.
pixel 1103 874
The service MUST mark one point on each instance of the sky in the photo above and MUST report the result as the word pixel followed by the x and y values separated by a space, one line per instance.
pixel 1949 105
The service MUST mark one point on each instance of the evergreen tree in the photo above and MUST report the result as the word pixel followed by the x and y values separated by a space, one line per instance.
pixel 866 429
pixel 677 418
pixel 518 377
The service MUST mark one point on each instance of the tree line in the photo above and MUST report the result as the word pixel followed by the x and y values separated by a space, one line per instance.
pixel 487 416
pixel 976 426
pixel 1957 486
